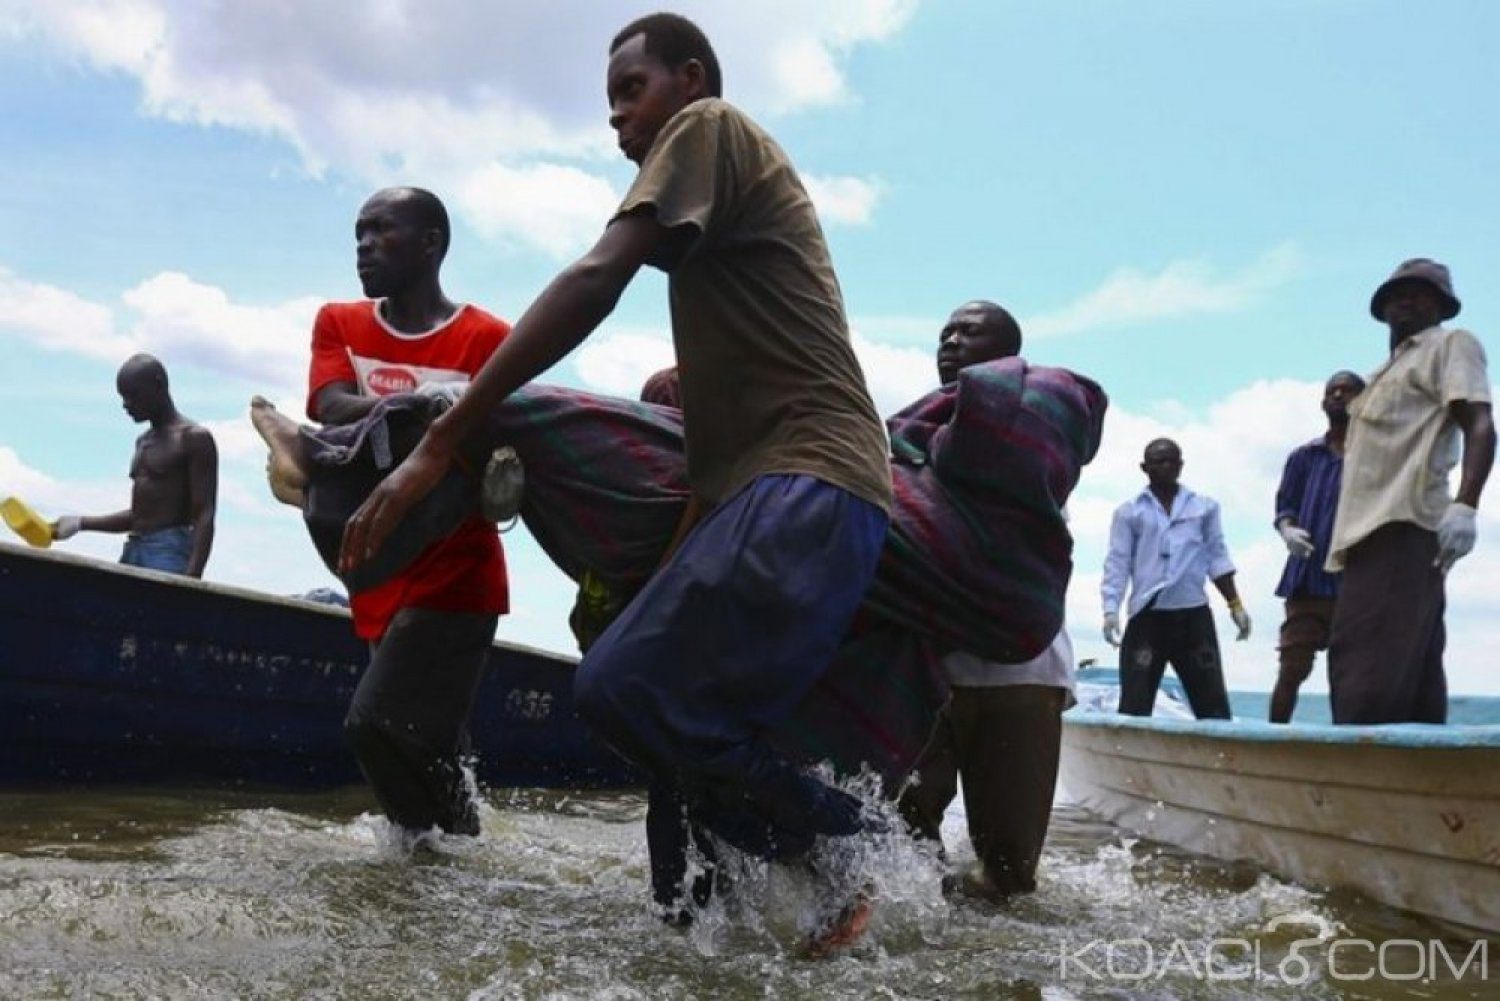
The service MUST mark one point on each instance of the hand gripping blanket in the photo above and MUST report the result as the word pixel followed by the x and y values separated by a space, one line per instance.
pixel 978 556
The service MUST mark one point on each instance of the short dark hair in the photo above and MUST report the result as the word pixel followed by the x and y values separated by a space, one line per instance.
pixel 675 40
pixel 144 366
pixel 1354 377
pixel 426 211
pixel 1154 442
pixel 1004 323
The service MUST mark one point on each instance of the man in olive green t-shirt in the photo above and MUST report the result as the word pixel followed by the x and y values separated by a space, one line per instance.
pixel 785 453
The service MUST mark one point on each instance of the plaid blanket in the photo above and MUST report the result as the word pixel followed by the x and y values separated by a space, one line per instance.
pixel 978 556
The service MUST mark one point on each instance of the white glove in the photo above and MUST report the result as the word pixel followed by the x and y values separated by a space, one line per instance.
pixel 1112 628
pixel 448 392
pixel 1456 534
pixel 66 527
pixel 1298 540
pixel 1241 620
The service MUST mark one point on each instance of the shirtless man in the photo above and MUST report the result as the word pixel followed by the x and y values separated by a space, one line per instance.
pixel 176 477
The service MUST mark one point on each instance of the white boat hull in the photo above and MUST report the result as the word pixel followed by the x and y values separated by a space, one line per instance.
pixel 1408 815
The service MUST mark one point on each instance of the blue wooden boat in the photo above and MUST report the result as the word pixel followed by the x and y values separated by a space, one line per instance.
pixel 115 675
pixel 1407 814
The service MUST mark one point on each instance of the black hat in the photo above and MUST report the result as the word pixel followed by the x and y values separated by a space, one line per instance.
pixel 1420 269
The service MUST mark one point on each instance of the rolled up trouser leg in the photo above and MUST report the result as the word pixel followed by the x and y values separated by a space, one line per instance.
pixel 1303 633
pixel 406 720
pixel 723 643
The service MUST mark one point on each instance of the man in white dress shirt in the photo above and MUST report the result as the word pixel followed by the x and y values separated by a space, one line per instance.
pixel 1165 543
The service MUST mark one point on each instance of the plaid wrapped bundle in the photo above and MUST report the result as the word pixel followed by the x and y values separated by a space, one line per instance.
pixel 606 478
pixel 979 554
pixel 977 558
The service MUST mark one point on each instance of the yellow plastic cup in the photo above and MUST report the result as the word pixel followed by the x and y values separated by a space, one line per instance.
pixel 26 523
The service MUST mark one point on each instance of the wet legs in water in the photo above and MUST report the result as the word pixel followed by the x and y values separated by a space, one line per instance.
pixel 722 644
pixel 407 718
pixel 1004 742
pixel 671 833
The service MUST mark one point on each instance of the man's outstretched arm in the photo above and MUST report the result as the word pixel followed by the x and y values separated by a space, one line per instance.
pixel 566 312
pixel 70 525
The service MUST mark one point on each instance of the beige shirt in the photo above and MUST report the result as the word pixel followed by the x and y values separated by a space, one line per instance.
pixel 1402 444
pixel 769 379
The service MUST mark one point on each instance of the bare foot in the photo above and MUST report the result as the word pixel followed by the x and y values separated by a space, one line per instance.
pixel 285 471
pixel 844 928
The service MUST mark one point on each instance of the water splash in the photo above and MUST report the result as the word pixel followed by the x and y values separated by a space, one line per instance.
pixel 193 896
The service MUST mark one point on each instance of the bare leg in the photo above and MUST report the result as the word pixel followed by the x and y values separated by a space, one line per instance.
pixel 286 469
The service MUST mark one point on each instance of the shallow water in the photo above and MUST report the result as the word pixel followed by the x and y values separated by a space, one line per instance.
pixel 188 895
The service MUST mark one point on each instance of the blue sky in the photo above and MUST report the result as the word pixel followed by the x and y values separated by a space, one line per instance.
pixel 1190 202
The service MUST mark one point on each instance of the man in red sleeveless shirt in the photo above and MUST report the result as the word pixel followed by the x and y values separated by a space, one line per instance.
pixel 430 627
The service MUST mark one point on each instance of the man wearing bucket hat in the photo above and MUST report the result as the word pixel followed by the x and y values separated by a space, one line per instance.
pixel 1398 532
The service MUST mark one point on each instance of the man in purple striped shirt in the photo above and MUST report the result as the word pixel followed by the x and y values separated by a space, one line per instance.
pixel 1306 502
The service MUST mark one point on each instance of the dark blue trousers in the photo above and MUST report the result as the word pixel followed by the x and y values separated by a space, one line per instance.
pixel 723 643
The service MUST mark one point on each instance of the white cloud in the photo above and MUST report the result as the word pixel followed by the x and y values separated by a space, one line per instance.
pixel 59 320
pixel 116 34
pixel 501 101
pixel 171 316
pixel 560 209
pixel 1238 444
pixel 619 361
pixel 846 200
pixel 896 376
pixel 51 496
pixel 188 321
pixel 1181 288
pixel 807 71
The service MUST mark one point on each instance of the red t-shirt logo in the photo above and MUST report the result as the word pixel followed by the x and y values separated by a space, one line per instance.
pixel 388 381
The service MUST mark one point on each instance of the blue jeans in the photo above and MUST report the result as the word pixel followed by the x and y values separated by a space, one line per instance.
pixel 166 549
pixel 723 643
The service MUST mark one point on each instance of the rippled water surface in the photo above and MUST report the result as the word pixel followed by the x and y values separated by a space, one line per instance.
pixel 187 895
